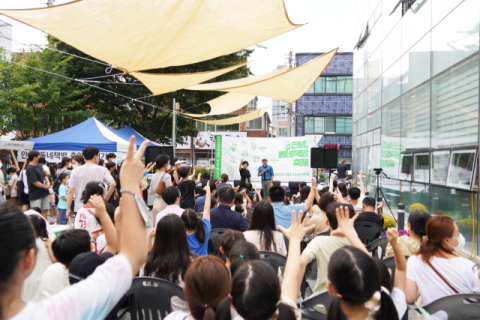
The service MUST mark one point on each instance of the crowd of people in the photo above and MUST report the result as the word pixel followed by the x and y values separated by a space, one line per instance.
pixel 85 272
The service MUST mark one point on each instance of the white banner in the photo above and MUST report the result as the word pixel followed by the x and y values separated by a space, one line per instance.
pixel 16 145
pixel 289 157
pixel 55 156
pixel 206 140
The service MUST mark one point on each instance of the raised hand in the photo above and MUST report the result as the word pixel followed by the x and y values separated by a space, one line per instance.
pixel 132 167
pixel 345 223
pixel 98 205
pixel 392 236
pixel 297 229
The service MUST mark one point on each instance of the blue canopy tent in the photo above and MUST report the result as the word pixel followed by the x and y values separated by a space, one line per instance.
pixel 128 131
pixel 89 132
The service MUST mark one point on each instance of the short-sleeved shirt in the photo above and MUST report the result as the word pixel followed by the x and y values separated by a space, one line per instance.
pixel 85 220
pixel 62 192
pixel 187 191
pixel 370 217
pixel 283 213
pixel 268 173
pixel 170 209
pixel 82 175
pixel 197 247
pixel 321 249
pixel 157 177
pixel 245 176
pixel 199 203
pixel 224 217
pixel 36 174
pixel 458 271
pixel 253 236
pixel 342 171
pixel 92 298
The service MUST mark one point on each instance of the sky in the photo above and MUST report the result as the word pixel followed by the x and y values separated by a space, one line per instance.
pixel 329 24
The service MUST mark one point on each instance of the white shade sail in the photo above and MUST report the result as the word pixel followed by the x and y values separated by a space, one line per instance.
pixel 227 103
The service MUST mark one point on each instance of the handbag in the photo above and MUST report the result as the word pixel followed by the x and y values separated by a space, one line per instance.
pixel 160 186
pixel 20 186
pixel 448 284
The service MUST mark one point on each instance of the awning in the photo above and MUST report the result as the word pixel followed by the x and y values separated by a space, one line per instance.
pixel 242 118
pixel 224 104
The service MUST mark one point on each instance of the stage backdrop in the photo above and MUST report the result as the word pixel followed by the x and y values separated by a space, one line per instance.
pixel 289 157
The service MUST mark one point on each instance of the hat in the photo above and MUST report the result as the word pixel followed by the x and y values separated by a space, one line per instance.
pixel 179 162
pixel 84 264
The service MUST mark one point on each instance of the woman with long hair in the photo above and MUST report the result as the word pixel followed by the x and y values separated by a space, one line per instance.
pixel 78 161
pixel 169 259
pixel 222 182
pixel 160 177
pixel 435 271
pixel 64 166
pixel 263 233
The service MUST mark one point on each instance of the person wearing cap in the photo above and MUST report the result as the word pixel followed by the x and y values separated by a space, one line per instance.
pixel 266 173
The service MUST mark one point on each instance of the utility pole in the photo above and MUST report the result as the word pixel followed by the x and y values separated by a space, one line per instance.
pixel 174 125
pixel 289 105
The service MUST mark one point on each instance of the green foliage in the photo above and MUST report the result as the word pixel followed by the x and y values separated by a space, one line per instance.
pixel 37 103
pixel 388 223
pixel 205 172
pixel 417 206
pixel 465 226
pixel 322 176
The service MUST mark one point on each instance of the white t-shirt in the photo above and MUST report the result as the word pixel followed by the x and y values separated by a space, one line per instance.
pixel 31 284
pixel 358 207
pixel 157 177
pixel 53 280
pixel 457 271
pixel 171 209
pixel 101 242
pixel 92 298
pixel 23 177
pixel 85 174
pixel 400 302
pixel 253 236
pixel 85 220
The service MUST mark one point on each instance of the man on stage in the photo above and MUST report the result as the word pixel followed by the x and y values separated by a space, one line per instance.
pixel 266 172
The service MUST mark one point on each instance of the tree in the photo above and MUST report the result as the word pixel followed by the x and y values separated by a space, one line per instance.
pixel 36 103
pixel 151 122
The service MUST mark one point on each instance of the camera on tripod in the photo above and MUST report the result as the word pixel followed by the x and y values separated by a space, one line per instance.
pixel 378 171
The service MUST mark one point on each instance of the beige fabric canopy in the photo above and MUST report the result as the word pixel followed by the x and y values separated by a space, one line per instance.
pixel 242 118
pixel 288 86
pixel 159 83
pixel 149 34
pixel 224 104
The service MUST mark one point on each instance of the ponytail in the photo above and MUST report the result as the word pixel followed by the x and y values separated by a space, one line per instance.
pixel 238 202
pixel 285 312
pixel 209 313
pixel 193 222
pixel 223 309
pixel 387 308
pixel 335 311
pixel 200 230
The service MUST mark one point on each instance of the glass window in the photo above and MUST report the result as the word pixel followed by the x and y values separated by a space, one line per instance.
pixel 406 165
pixel 416 118
pixel 344 84
pixel 391 146
pixel 376 136
pixel 330 125
pixel 200 126
pixel 319 125
pixel 460 170
pixel 344 125
pixel 439 166
pixel 309 125
pixel 421 167
pixel 331 84
pixel 311 89
pixel 320 85
pixel 255 124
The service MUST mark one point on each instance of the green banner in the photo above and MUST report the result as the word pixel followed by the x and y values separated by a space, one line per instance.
pixel 218 157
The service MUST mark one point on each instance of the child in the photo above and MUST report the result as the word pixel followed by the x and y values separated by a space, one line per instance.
pixel 198 229
pixel 187 188
pixel 227 241
pixel 12 184
pixel 84 219
pixel 62 194
pixel 52 211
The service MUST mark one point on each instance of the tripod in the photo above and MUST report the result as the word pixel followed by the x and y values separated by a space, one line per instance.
pixel 379 193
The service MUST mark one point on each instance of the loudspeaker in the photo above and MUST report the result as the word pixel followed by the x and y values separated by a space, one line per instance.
pixel 167 151
pixel 152 153
pixel 331 158
pixel 317 157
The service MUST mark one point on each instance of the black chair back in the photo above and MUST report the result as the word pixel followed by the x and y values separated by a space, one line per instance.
pixel 150 298
pixel 236 182
pixel 378 243
pixel 456 307
pixel 307 306
pixel 214 243
pixel 276 260
pixel 390 263
pixel 249 215
pixel 367 232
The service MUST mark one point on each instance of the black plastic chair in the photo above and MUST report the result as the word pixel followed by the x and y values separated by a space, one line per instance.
pixel 456 307
pixel 276 183
pixel 236 182
pixel 214 243
pixel 276 260
pixel 367 232
pixel 378 243
pixel 390 263
pixel 150 298
pixel 248 221
pixel 249 215
pixel 307 306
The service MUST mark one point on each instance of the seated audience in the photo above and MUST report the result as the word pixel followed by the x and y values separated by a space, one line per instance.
pixel 417 220
pixel 262 232
pixel 198 229
pixel 320 220
pixel 241 202
pixel 283 212
pixel 242 252
pixel 322 248
pixel 228 239
pixel 357 195
pixel 171 196
pixel 85 219
pixel 435 271
pixel 368 213
pixel 223 216
pixel 200 201
pixel 45 258
pixel 187 188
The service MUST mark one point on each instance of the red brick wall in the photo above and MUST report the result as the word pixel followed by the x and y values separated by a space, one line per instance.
pixel 256 133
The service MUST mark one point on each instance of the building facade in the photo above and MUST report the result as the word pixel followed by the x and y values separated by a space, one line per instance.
pixel 280 116
pixel 415 104
pixel 6 37
pixel 326 108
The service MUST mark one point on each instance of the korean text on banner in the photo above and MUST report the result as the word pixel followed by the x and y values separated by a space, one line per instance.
pixel 218 156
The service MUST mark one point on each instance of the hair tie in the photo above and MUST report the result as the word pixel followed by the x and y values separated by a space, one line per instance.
pixel 207 306
pixel 197 217
pixel 230 296
pixel 278 303
pixel 241 256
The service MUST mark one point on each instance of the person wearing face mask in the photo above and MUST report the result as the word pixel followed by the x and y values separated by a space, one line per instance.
pixel 78 161
pixel 435 271
pixel 111 157
pixel 84 174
